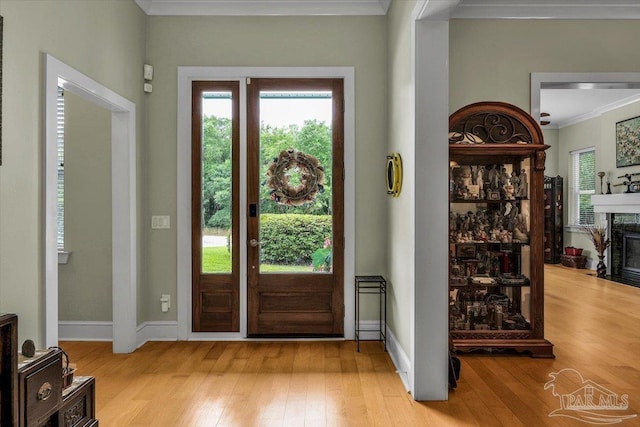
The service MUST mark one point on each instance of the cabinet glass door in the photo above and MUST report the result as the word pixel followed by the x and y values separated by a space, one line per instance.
pixel 490 252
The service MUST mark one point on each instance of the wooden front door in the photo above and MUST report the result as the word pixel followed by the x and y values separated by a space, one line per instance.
pixel 295 217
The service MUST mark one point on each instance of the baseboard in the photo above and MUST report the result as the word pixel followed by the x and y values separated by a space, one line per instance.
pixel 70 330
pixel 156 331
pixel 369 330
pixel 103 331
pixel 399 358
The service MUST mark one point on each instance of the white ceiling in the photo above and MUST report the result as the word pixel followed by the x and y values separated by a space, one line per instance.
pixel 566 106
pixel 570 106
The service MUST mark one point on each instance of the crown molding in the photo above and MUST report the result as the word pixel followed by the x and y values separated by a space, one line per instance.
pixel 598 111
pixel 264 8
pixel 547 9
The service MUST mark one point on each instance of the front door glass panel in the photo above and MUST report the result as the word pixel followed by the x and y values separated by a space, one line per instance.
pixel 217 192
pixel 295 160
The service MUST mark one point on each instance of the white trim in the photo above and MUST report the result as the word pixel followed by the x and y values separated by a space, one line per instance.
pixel 400 359
pixel 547 9
pixel 628 203
pixel 63 256
pixel 582 150
pixel 183 156
pixel 574 193
pixel 434 10
pixel 156 331
pixel 69 330
pixel 123 183
pixel 369 330
pixel 429 333
pixel 264 8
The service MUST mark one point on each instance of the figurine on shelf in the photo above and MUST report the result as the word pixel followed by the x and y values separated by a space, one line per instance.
pixel 494 177
pixel 515 181
pixel 479 181
pixel 509 192
pixel 523 184
pixel 504 177
pixel 507 209
pixel 465 176
pixel 520 229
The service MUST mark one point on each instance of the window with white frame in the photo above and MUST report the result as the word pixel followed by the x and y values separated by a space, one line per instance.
pixel 583 185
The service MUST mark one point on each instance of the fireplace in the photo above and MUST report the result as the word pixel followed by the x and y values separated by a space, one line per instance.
pixel 621 213
pixel 631 253
pixel 625 248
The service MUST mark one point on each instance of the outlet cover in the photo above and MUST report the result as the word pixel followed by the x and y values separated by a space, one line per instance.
pixel 160 221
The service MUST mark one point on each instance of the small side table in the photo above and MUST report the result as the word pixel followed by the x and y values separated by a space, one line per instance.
pixel 372 285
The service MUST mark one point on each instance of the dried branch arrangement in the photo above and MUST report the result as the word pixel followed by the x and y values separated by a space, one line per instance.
pixel 599 237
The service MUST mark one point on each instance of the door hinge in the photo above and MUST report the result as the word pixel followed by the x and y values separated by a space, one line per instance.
pixel 344 173
pixel 248 80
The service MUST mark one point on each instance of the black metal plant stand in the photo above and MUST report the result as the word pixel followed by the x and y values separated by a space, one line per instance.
pixel 372 285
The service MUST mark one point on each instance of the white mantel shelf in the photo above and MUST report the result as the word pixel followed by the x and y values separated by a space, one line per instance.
pixel 616 203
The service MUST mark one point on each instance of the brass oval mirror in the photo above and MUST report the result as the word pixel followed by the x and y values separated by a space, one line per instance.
pixel 394 174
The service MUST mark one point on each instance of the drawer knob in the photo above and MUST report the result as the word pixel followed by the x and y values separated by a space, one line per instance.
pixel 45 391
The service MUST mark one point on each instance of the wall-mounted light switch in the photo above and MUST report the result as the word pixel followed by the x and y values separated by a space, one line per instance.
pixel 160 221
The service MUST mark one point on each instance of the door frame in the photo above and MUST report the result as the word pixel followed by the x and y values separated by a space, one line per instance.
pixel 123 189
pixel 186 75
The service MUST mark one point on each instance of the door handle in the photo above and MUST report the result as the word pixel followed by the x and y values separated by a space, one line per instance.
pixel 254 243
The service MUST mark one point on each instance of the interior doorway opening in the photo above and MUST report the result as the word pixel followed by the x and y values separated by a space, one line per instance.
pixel 124 215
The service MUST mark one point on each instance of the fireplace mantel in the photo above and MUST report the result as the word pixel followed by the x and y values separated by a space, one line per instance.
pixel 616 203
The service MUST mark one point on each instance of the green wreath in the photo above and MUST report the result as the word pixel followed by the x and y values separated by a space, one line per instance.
pixel 311 178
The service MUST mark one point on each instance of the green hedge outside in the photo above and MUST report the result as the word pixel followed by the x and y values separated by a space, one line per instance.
pixel 292 238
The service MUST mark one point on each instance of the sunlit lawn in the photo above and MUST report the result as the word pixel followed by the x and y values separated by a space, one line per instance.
pixel 218 260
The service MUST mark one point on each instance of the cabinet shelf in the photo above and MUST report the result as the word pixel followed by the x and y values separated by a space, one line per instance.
pixel 487 201
pixel 490 242
pixel 474 286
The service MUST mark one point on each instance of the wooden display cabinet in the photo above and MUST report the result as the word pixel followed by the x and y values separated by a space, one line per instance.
pixel 553 229
pixel 496 276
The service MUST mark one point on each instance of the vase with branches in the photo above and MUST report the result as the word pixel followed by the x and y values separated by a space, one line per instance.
pixel 601 242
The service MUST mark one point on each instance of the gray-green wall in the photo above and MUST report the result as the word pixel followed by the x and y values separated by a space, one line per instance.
pixel 84 283
pixel 102 39
pixel 400 222
pixel 265 41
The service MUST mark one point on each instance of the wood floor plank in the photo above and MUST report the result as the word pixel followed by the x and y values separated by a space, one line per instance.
pixel 593 324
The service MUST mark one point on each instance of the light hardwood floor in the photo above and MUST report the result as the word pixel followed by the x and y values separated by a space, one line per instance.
pixel 593 323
